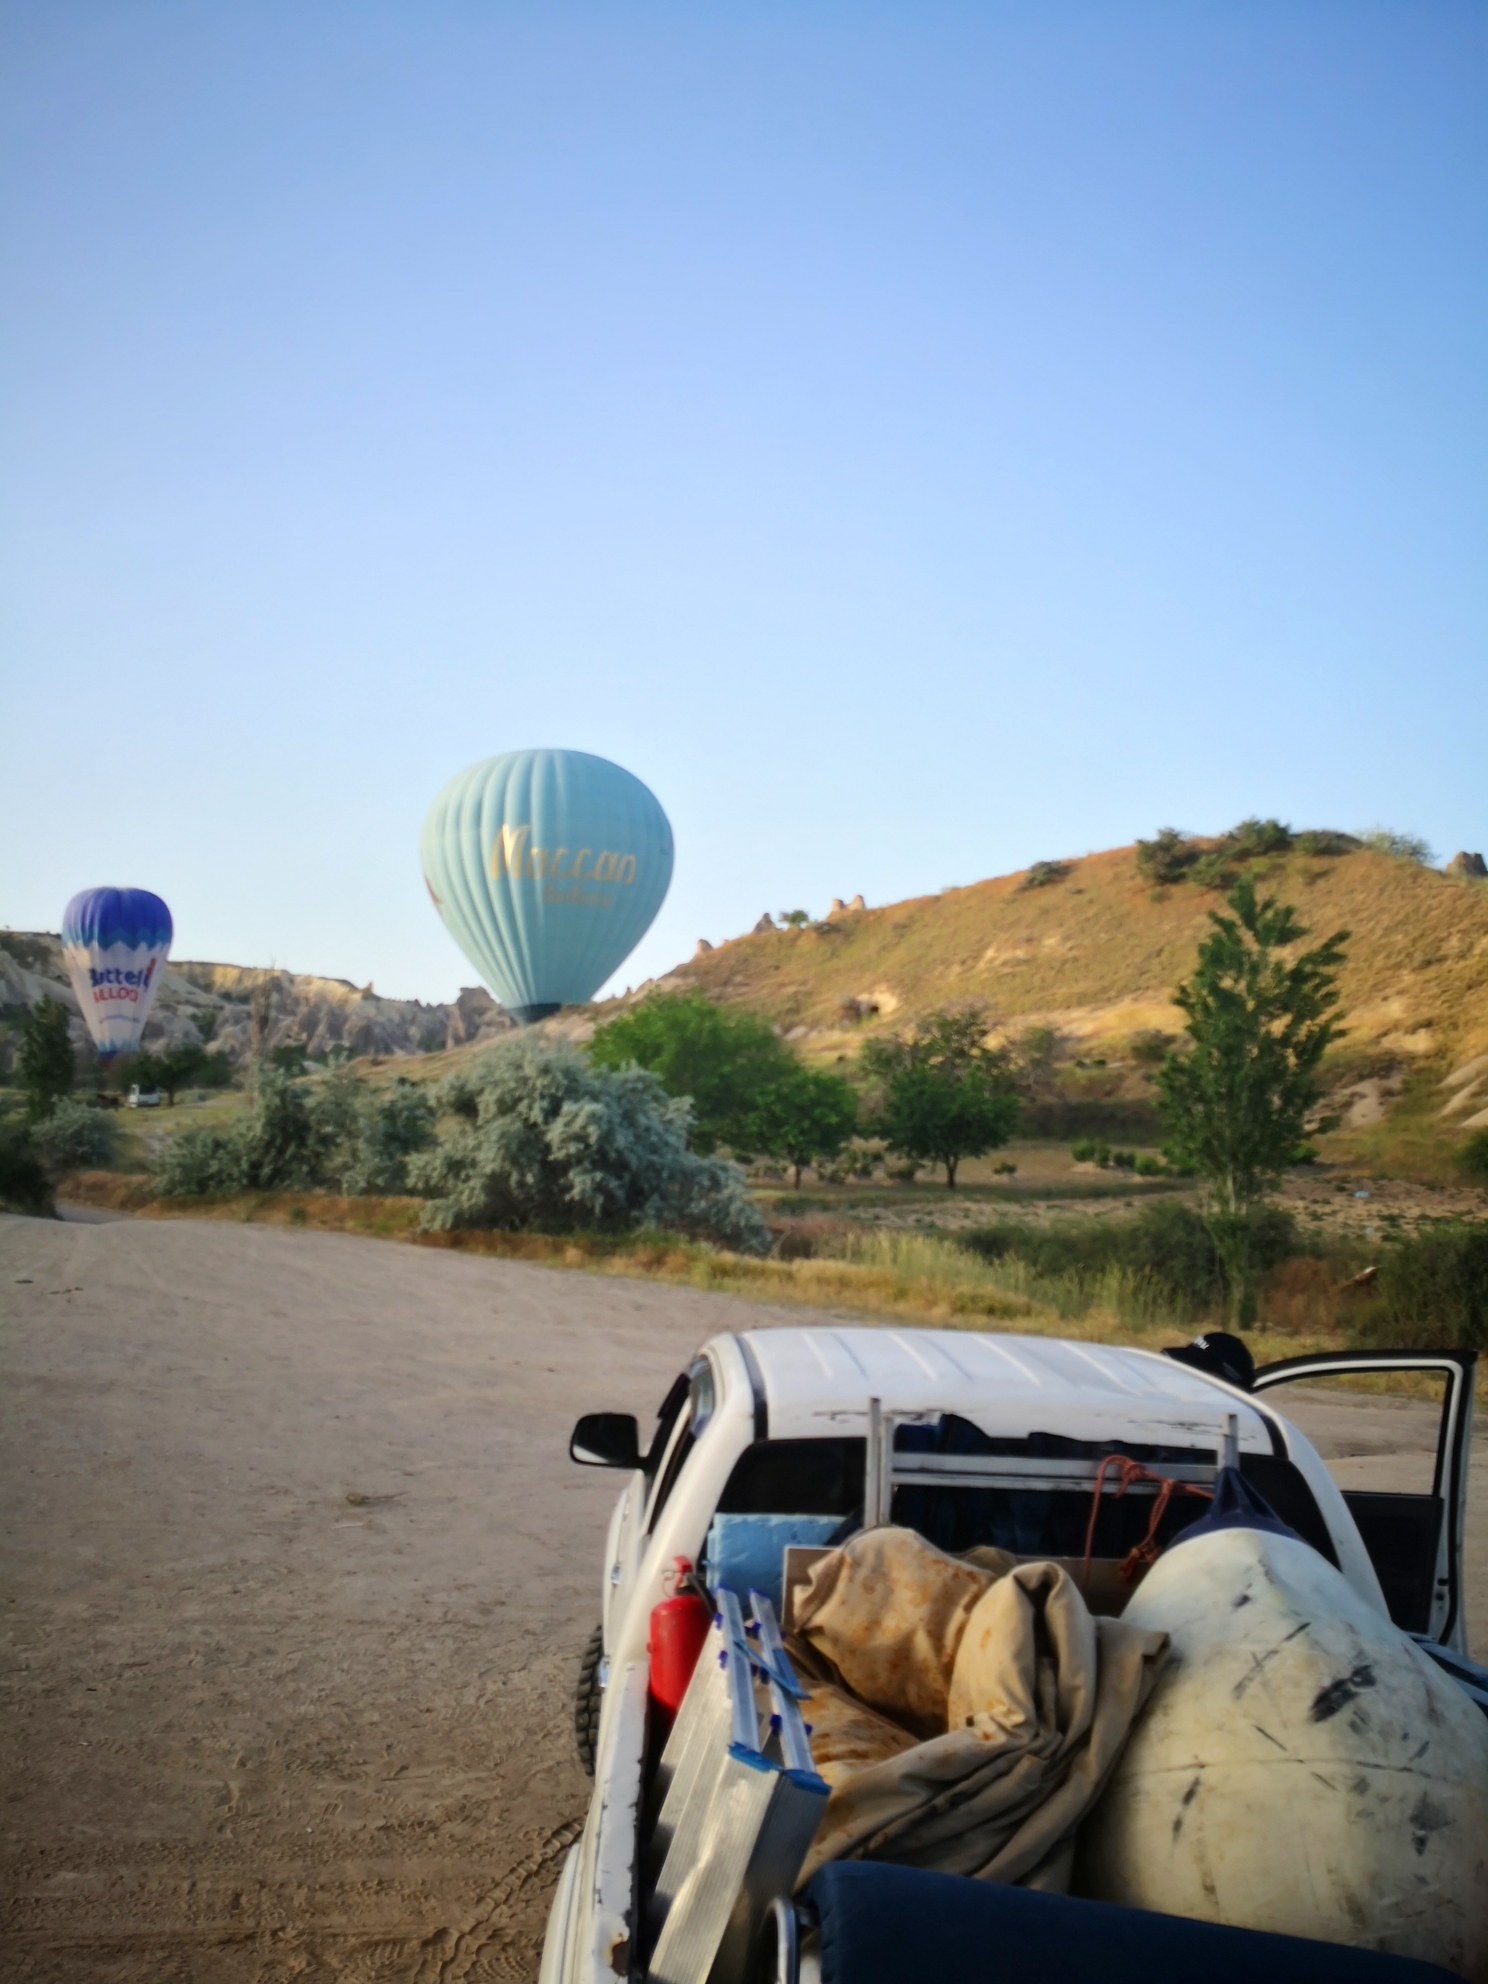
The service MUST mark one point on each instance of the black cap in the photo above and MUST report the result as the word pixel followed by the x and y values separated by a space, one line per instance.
pixel 1218 1355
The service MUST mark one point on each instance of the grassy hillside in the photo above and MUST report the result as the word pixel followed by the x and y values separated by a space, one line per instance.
pixel 1095 956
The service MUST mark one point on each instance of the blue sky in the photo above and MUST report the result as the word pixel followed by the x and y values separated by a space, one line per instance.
pixel 917 440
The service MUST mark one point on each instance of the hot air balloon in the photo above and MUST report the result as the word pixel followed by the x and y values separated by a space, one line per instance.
pixel 547 867
pixel 115 943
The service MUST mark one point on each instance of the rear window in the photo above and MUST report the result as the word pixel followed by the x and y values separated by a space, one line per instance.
pixel 825 1478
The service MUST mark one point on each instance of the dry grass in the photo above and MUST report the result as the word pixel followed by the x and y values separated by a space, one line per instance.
pixel 872 1277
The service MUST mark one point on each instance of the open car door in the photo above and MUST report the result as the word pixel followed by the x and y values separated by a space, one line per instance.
pixel 1414 1540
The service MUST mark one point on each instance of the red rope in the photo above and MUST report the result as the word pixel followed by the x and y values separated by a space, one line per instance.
pixel 1147 1552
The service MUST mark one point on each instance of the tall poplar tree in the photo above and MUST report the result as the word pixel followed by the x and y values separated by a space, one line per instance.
pixel 1234 1104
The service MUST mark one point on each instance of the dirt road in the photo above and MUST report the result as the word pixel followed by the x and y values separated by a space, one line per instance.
pixel 297 1572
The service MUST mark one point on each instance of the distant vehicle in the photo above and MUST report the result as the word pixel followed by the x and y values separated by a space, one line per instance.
pixel 144 1098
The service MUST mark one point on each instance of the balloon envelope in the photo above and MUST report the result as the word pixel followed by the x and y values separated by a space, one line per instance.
pixel 115 943
pixel 548 868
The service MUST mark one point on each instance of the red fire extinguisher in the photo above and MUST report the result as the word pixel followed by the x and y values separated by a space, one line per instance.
pixel 679 1625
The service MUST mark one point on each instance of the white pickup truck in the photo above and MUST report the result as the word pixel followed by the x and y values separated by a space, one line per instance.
pixel 1006 1435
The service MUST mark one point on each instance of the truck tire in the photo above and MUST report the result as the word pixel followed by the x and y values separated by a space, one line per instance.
pixel 586 1701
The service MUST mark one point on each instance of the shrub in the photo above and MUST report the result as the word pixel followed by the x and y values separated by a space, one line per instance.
pixel 1323 841
pixel 1167 1246
pixel 1149 1046
pixel 75 1137
pixel 1044 874
pixel 294 1139
pixel 1404 847
pixel 1167 858
pixel 200 1163
pixel 1213 870
pixel 24 1185
pixel 1036 1048
pixel 545 1140
pixel 1256 837
pixel 391 1131
pixel 1433 1291
pixel 1473 1156
pixel 859 1157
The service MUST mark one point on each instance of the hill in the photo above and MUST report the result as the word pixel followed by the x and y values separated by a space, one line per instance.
pixel 1094 955
pixel 1087 950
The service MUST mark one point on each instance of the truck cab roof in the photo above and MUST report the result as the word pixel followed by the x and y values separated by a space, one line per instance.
pixel 812 1382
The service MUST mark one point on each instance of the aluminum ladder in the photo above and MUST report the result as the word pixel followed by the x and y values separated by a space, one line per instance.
pixel 739 1804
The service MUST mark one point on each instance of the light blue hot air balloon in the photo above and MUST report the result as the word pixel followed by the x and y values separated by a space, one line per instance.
pixel 548 868
pixel 115 943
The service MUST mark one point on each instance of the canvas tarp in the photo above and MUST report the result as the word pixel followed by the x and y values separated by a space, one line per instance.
pixel 965 1714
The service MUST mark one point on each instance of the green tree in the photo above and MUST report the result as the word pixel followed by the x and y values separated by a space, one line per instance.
pixel 216 1071
pixel 806 1117
pixel 943 1094
pixel 179 1066
pixel 1234 1104
pixel 723 1057
pixel 46 1063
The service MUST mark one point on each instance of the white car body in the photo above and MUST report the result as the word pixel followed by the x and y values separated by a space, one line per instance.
pixel 766 1386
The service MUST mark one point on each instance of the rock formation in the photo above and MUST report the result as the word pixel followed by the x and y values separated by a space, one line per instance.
pixel 248 1009
pixel 1467 864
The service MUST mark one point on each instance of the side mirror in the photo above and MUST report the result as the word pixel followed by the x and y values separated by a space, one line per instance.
pixel 606 1439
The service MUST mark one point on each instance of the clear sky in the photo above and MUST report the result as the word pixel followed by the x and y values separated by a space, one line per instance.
pixel 916 439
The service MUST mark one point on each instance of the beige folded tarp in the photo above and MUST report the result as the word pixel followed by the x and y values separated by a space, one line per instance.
pixel 966 1721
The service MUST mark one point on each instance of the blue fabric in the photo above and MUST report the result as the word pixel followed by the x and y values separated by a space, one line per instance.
pixel 547 867
pixel 882 1924
pixel 105 917
pixel 1236 1505
pixel 746 1553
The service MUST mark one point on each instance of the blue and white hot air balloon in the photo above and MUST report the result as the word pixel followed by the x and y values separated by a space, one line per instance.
pixel 548 868
pixel 115 942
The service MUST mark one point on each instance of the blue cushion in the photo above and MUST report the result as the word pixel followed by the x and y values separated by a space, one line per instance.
pixel 746 1553
pixel 882 1924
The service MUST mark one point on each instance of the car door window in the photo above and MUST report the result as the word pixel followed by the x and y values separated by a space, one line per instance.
pixel 667 1415
pixel 701 1393
pixel 1400 1460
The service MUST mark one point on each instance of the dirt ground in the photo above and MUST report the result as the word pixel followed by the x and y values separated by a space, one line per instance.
pixel 297 1571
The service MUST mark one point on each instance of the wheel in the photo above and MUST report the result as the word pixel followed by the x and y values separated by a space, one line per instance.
pixel 586 1700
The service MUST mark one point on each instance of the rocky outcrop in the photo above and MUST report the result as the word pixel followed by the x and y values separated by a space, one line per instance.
pixel 1467 864
pixel 766 922
pixel 250 1010
pixel 476 1017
